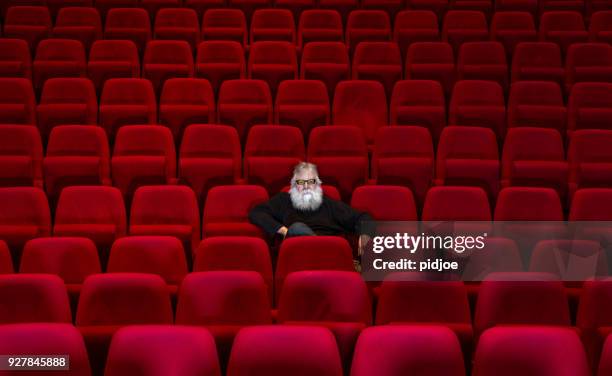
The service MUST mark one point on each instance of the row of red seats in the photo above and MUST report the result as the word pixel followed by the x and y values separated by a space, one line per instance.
pixel 337 300
pixel 281 350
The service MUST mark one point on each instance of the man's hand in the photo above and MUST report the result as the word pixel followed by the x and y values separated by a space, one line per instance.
pixel 282 231
pixel 363 242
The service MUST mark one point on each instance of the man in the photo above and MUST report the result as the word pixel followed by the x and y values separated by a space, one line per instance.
pixel 306 211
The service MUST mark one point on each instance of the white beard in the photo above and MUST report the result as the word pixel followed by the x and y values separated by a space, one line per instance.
pixel 308 199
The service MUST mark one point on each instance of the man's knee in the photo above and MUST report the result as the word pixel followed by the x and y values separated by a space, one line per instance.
pixel 299 229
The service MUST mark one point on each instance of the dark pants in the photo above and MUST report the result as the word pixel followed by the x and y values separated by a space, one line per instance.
pixel 299 229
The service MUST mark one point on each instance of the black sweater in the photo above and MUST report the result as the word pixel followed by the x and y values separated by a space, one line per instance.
pixel 332 218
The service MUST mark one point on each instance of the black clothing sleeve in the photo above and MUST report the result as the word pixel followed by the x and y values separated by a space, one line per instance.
pixel 269 215
pixel 351 220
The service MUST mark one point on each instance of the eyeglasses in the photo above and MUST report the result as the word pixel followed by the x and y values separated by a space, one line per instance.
pixel 304 182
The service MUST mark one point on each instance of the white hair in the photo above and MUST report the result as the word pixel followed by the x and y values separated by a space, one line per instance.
pixel 309 199
pixel 305 166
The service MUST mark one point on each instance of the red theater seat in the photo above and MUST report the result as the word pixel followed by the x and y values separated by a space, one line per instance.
pixel 537 61
pixel 31 298
pixel 111 301
pixel 66 101
pixel 327 62
pixel 319 25
pixel 593 320
pixel 600 27
pixel 127 101
pixel 311 253
pixel 273 62
pixel 165 59
pixel 534 157
pixel 362 104
pixel 596 6
pixel 528 204
pixel 479 103
pixel 456 204
pixel 420 103
pixel 225 24
pixel 379 61
pixel 227 253
pixel 431 61
pixel 591 204
pixel 128 23
pixel 272 24
pixel 297 7
pixel 143 155
pixel 385 202
pixel 589 106
pixel 336 300
pixel 218 61
pixel 97 213
pixel 484 6
pixel 590 159
pixel 201 6
pixel 588 62
pixel 563 28
pixel 511 351
pixel 6 262
pixel 404 156
pixel 162 349
pixel 223 302
pixel 412 26
pixel 20 156
pixel 244 103
pixel 15 59
pixel 30 23
pixel 437 6
pixel 186 101
pixel 166 210
pixel 512 28
pixel 178 24
pixel 483 61
pixel 210 155
pixel 390 6
pixel 303 104
pixel 367 25
pixel 39 338
pixel 105 6
pixel 161 255
pixel 461 26
pixel 561 5
pixel 270 154
pixel 80 23
pixel 226 210
pixel 248 7
pixel 468 156
pixel 344 7
pixel 537 104
pixel 284 350
pixel 559 258
pixel 341 155
pixel 76 155
pixel 112 59
pixel 385 350
pixel 58 58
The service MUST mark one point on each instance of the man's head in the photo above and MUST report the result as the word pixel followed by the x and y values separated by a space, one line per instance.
pixel 306 192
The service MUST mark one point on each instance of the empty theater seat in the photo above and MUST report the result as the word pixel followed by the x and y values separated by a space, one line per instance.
pixel 412 26
pixel 590 160
pixel 30 23
pixel 58 58
pixel 468 156
pixel 143 155
pixel 528 204
pixel 127 101
pixel 461 26
pixel 534 157
pixel 385 202
pixel 589 106
pixel 145 349
pixel 128 23
pixel 186 101
pixel 379 61
pixel 166 210
pixel 341 155
pixel 15 59
pixel 404 156
pixel 165 59
pixel 483 61
pixel 592 319
pixel 244 103
pixel 218 61
pixel 272 24
pixel 588 62
pixel 17 102
pixel 270 154
pixel 66 101
pixel 537 104
pixel 284 350
pixel 178 24
pixel 80 23
pixel 456 204
pixel 367 25
pixel 227 208
pixel 225 24
pixel 112 59
pixel 478 103
pixel 319 25
pixel 512 28
pixel 562 28
pixel 600 27
pixel 431 61
pixel 591 204
pixel 210 155
pixel 273 62
pixel 303 104
pixel 76 155
pixel 537 61
pixel 20 156
pixel 327 62
pixel 97 213
pixel 385 350
pixel 419 103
